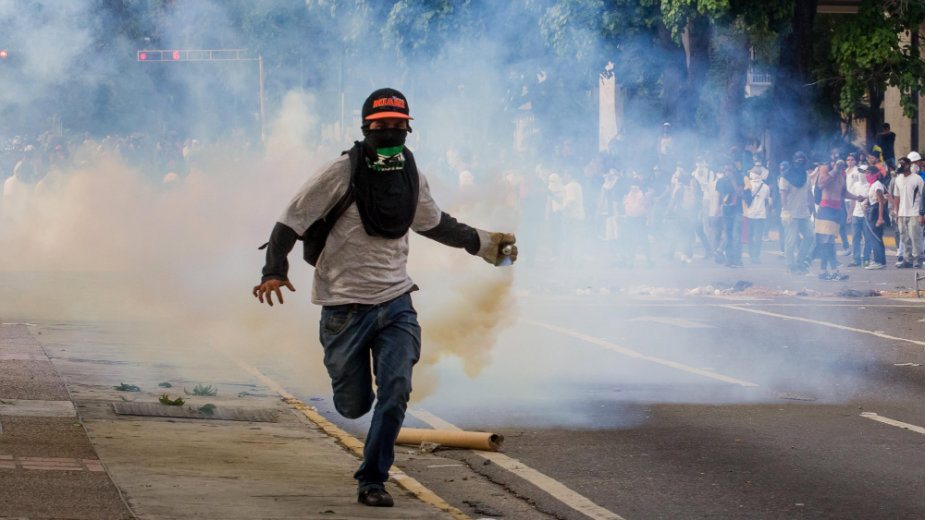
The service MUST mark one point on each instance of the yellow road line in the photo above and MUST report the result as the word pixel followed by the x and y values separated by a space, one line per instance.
pixel 349 441
pixel 553 487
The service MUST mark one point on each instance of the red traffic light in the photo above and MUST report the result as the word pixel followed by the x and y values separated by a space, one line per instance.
pixel 142 56
pixel 176 55
pixel 4 54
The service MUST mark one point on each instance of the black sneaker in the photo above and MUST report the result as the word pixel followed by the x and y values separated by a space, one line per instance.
pixel 375 498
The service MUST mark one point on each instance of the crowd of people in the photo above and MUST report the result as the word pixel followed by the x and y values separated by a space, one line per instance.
pixel 723 206
pixel 727 206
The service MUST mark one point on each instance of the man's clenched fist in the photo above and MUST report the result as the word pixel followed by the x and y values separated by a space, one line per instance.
pixel 502 250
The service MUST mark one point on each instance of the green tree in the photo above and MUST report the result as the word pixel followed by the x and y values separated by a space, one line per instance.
pixel 879 48
pixel 722 35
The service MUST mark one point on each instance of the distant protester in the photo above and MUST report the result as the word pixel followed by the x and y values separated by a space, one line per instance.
pixel 757 200
pixel 907 193
pixel 730 189
pixel 796 213
pixel 876 220
pixel 829 218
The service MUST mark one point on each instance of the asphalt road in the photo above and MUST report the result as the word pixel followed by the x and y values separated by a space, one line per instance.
pixel 645 440
pixel 675 406
pixel 648 401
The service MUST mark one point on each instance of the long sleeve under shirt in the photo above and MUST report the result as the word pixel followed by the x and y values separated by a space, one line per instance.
pixel 355 267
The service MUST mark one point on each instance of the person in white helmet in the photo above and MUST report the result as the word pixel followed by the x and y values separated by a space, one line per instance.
pixel 918 165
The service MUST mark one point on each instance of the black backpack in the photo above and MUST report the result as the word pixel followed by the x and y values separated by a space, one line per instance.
pixel 315 237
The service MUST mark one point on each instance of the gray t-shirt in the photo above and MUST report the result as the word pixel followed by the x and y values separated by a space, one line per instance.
pixel 795 202
pixel 355 267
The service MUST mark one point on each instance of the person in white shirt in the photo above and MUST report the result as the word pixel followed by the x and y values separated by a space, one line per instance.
pixel 907 192
pixel 857 185
pixel 758 198
pixel 711 209
pixel 875 220
pixel 796 213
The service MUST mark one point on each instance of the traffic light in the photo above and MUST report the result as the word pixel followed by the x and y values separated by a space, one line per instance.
pixel 159 56
pixel 4 54
pixel 194 55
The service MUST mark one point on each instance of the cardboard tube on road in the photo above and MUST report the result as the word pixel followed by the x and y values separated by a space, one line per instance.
pixel 452 438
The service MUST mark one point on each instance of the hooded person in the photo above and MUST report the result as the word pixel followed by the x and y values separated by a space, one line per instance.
pixel 368 200
pixel 796 212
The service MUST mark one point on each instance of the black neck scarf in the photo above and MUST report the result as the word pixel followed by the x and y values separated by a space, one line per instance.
pixel 386 190
pixel 795 174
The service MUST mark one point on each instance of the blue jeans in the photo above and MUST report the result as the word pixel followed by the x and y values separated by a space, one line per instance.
pixel 873 237
pixel 857 237
pixel 732 229
pixel 389 332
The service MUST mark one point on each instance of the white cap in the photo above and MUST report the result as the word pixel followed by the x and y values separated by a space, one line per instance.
pixel 914 156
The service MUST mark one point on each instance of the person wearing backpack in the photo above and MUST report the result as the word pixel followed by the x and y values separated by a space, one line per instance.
pixel 354 217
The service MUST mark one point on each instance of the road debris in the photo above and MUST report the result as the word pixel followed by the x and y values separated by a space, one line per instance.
pixel 741 285
pixel 795 397
pixel 127 388
pixel 428 447
pixel 165 399
pixel 853 293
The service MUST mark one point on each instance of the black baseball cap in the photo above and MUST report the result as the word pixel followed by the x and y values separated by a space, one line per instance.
pixel 385 103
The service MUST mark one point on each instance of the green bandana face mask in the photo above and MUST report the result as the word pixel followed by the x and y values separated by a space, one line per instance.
pixel 390 151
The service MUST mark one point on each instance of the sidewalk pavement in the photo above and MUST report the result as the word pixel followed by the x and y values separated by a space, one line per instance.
pixel 66 453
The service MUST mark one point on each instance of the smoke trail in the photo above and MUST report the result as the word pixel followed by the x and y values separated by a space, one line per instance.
pixel 104 238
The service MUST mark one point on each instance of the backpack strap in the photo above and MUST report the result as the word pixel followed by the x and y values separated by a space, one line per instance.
pixel 315 237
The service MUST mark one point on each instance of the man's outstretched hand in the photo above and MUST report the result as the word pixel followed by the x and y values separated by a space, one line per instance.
pixel 502 250
pixel 267 288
